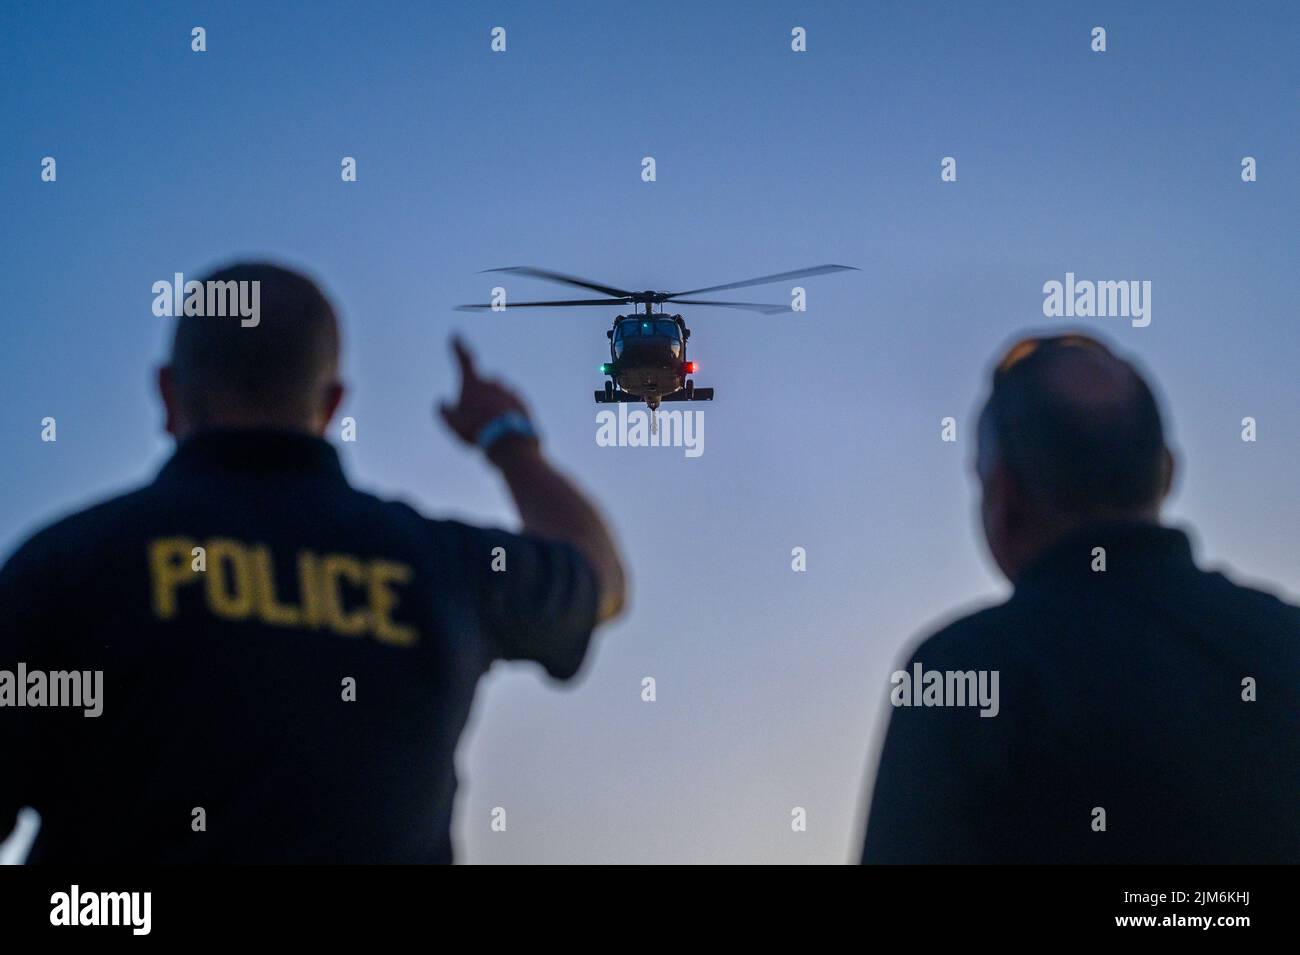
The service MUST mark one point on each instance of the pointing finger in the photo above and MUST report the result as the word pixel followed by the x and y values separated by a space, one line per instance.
pixel 464 359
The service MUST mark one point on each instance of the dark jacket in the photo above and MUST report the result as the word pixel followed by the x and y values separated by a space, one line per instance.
pixel 302 679
pixel 1124 692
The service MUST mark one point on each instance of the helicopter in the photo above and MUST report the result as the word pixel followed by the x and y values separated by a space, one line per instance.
pixel 648 347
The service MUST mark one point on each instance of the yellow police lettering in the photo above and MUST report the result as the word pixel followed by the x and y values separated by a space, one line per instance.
pixel 230 595
pixel 333 567
pixel 309 588
pixel 383 600
pixel 340 593
pixel 269 610
pixel 169 566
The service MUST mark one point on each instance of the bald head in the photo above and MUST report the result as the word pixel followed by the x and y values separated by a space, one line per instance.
pixel 1070 434
pixel 280 372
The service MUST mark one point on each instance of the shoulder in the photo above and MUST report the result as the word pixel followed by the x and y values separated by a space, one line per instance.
pixel 1011 645
pixel 991 631
pixel 80 532
pixel 442 532
pixel 1252 598
pixel 461 535
pixel 461 541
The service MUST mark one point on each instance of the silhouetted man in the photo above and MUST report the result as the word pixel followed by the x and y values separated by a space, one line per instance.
pixel 287 662
pixel 1122 706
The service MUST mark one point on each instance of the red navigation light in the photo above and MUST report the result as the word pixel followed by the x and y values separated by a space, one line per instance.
pixel 691 368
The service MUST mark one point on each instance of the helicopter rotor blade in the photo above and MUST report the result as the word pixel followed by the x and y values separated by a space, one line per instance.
pixel 744 306
pixel 562 303
pixel 548 276
pixel 765 279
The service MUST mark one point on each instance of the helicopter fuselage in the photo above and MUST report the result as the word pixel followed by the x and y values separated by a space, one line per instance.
pixel 648 348
pixel 649 355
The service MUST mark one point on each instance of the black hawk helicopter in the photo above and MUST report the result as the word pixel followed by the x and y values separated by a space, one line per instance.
pixel 648 347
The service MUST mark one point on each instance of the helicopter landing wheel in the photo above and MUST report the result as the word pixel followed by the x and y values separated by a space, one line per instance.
pixel 609 391
pixel 690 391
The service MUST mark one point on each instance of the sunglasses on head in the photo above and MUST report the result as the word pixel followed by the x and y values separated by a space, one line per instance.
pixel 1029 346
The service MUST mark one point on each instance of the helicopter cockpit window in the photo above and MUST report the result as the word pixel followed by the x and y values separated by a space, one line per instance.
pixel 621 331
pixel 670 331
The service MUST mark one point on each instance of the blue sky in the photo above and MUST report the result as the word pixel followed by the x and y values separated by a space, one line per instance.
pixel 825 431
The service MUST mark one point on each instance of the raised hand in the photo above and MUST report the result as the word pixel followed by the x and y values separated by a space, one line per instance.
pixel 481 400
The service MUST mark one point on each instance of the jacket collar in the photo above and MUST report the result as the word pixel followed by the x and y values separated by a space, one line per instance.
pixel 251 451
pixel 1134 549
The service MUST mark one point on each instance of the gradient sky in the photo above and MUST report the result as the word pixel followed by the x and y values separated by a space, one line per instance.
pixel 825 431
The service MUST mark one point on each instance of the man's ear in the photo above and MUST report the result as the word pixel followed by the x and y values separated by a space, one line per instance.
pixel 998 495
pixel 167 391
pixel 1168 466
pixel 1005 516
pixel 334 395
pixel 1017 509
